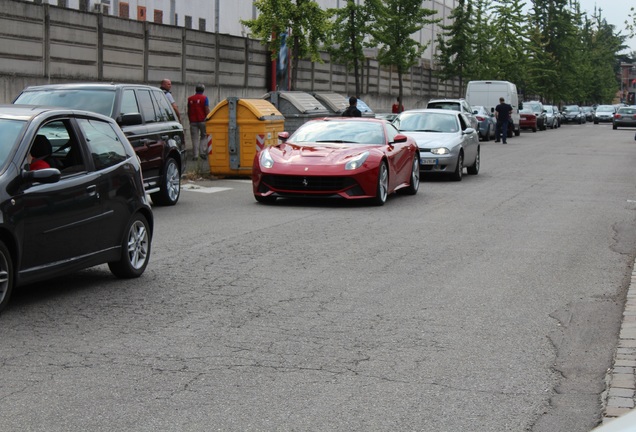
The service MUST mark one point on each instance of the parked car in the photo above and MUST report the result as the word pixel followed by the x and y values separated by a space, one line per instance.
pixel 527 119
pixel 573 114
pixel 588 111
pixel 457 105
pixel 551 116
pixel 85 207
pixel 446 140
pixel 147 119
pixel 604 114
pixel 558 115
pixel 487 122
pixel 539 112
pixel 625 116
pixel 336 157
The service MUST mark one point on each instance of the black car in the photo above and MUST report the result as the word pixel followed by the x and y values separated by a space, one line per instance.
pixel 573 114
pixel 146 117
pixel 71 197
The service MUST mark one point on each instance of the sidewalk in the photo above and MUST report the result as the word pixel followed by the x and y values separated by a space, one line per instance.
pixel 620 394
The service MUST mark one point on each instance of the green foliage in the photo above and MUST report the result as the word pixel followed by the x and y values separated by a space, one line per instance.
pixel 456 45
pixel 395 22
pixel 345 41
pixel 305 21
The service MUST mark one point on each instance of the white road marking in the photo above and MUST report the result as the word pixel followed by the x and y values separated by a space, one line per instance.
pixel 208 190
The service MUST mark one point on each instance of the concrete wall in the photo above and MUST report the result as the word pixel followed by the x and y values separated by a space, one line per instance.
pixel 41 44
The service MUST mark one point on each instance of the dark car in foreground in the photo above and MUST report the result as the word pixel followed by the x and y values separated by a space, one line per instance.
pixel 351 158
pixel 446 140
pixel 625 117
pixel 146 117
pixel 85 207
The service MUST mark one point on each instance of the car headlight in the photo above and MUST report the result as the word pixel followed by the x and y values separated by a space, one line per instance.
pixel 357 161
pixel 266 159
pixel 440 151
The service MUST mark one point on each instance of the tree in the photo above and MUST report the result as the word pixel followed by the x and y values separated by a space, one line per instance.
pixel 305 21
pixel 346 41
pixel 395 22
pixel 455 45
pixel 510 41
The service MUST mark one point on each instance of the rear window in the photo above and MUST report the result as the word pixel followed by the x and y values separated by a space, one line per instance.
pixel 453 106
pixel 99 101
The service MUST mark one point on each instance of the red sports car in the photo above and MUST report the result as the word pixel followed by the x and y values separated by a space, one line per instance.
pixel 352 158
pixel 527 119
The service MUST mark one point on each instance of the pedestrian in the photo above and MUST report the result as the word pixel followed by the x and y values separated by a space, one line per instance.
pixel 166 86
pixel 198 110
pixel 397 107
pixel 352 110
pixel 502 113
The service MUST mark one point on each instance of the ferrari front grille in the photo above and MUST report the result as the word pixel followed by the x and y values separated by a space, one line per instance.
pixel 308 183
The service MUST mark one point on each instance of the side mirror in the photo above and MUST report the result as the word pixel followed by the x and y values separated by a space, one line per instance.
pixel 399 138
pixel 129 119
pixel 283 137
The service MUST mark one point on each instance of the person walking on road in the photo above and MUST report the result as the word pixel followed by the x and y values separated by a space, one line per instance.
pixel 198 110
pixel 502 114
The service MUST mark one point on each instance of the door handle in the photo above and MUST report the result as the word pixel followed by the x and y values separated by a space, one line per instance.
pixel 92 191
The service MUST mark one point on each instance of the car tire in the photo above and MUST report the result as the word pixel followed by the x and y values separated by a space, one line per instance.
pixel 170 190
pixel 517 132
pixel 6 275
pixel 595 121
pixel 265 199
pixel 614 127
pixel 414 183
pixel 534 129
pixel 382 189
pixel 474 168
pixel 135 249
pixel 459 168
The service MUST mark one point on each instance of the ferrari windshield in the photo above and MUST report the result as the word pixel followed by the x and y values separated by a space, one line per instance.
pixel 10 131
pixel 99 101
pixel 427 122
pixel 349 132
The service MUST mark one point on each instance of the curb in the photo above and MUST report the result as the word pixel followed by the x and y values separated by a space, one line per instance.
pixel 620 394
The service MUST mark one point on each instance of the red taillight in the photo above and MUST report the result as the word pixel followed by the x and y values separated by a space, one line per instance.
pixel 480 118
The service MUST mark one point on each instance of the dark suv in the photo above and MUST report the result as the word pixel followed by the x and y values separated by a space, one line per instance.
pixel 144 115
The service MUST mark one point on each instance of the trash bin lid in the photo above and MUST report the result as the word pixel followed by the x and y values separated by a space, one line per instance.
pixel 333 101
pixel 302 101
pixel 262 109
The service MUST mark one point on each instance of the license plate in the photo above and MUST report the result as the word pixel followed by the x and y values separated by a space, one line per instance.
pixel 428 162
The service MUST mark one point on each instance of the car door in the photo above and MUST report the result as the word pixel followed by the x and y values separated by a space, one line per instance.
pixel 58 222
pixel 144 137
pixel 400 158
pixel 470 142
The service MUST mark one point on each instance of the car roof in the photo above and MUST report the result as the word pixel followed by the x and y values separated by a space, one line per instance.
pixel 27 112
pixel 432 110
pixel 92 86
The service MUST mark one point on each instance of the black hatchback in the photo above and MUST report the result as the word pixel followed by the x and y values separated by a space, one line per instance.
pixel 143 113
pixel 71 197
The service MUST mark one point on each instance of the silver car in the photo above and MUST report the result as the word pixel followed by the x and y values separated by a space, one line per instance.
pixel 446 140
pixel 625 116
pixel 604 113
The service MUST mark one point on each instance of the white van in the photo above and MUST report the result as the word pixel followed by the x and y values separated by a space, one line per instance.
pixel 487 93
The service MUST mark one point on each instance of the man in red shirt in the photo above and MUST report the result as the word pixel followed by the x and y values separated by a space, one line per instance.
pixel 40 150
pixel 397 107
pixel 198 110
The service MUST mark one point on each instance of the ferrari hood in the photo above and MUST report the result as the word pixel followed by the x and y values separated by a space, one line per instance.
pixel 317 154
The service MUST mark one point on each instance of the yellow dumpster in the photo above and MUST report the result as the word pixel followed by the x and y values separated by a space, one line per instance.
pixel 237 129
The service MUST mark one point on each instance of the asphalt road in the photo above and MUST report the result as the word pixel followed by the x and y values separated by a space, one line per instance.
pixel 490 304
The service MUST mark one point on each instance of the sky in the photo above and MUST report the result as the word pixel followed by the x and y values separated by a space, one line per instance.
pixel 615 12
